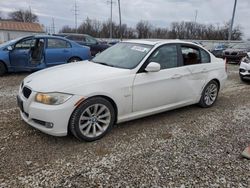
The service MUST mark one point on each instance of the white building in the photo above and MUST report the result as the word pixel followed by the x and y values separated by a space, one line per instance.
pixel 10 29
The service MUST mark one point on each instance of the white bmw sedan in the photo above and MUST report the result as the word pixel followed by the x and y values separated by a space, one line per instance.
pixel 245 68
pixel 130 80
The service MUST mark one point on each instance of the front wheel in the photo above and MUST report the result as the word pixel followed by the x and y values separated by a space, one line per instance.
pixel 2 69
pixel 92 119
pixel 209 94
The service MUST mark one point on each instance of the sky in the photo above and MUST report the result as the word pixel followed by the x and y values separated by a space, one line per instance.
pixel 159 13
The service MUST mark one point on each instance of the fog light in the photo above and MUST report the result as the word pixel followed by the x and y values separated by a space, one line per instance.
pixel 49 125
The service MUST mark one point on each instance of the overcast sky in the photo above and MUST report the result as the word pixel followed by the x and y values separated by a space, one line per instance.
pixel 158 12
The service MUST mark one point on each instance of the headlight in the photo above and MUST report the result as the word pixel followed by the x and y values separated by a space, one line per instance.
pixel 52 98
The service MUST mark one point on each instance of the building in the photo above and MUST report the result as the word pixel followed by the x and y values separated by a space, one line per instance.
pixel 10 29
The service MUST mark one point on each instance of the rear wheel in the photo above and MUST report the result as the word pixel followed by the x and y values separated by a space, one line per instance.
pixel 209 94
pixel 74 59
pixel 3 69
pixel 92 119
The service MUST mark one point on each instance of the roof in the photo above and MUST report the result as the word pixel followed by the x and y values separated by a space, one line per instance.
pixel 21 26
pixel 156 41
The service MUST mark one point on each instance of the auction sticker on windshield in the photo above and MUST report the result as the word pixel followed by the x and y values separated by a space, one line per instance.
pixel 140 49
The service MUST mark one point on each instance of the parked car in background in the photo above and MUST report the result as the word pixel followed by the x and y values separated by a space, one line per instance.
pixel 219 49
pixel 244 70
pixel 236 52
pixel 96 46
pixel 132 79
pixel 38 52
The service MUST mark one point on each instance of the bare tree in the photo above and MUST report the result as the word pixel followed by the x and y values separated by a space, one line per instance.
pixel 144 29
pixel 177 30
pixel 23 16
pixel 67 29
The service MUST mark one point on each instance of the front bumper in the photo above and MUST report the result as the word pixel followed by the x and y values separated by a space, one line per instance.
pixel 50 119
pixel 244 69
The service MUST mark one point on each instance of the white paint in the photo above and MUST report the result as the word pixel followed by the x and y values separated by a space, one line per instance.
pixel 151 93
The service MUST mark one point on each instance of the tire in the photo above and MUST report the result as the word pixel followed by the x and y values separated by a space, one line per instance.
pixel 74 59
pixel 2 69
pixel 92 119
pixel 209 94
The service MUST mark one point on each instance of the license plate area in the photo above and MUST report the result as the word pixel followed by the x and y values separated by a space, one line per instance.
pixel 20 103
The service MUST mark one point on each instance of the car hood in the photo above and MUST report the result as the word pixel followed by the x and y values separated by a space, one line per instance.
pixel 63 77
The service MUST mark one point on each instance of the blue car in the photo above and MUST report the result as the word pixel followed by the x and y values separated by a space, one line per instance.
pixel 38 52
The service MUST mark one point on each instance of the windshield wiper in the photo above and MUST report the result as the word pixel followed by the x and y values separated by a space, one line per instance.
pixel 102 63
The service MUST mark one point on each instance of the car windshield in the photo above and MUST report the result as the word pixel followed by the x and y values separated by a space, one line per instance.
pixel 123 55
pixel 9 42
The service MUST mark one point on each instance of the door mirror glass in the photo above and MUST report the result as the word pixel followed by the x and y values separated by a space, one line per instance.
pixel 9 48
pixel 153 67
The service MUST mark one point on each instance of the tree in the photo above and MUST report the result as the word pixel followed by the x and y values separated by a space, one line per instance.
pixel 23 16
pixel 144 29
pixel 67 29
pixel 177 30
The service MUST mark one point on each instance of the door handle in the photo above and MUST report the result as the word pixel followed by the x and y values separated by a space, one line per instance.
pixel 176 76
pixel 65 50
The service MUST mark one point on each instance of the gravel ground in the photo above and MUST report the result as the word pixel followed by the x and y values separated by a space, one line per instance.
pixel 187 147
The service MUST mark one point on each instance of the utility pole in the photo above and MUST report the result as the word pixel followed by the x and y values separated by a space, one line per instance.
pixel 53 26
pixel 76 10
pixel 196 14
pixel 120 18
pixel 111 17
pixel 232 21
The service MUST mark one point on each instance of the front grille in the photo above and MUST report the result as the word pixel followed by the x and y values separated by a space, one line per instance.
pixel 26 92
pixel 227 53
pixel 234 53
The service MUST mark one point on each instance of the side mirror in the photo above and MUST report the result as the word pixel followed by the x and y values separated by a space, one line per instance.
pixel 153 67
pixel 9 48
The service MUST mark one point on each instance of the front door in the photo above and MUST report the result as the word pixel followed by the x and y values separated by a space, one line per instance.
pixel 20 55
pixel 168 87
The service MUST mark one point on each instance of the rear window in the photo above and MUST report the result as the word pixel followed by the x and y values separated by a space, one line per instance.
pixel 205 57
pixel 58 43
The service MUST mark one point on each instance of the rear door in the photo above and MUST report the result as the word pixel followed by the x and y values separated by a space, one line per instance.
pixel 20 55
pixel 197 61
pixel 58 51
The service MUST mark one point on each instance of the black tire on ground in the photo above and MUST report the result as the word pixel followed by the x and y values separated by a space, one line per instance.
pixel 80 120
pixel 207 100
pixel 74 59
pixel 2 69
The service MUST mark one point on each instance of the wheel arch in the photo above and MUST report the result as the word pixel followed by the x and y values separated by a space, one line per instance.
pixel 74 57
pixel 217 81
pixel 105 97
pixel 5 65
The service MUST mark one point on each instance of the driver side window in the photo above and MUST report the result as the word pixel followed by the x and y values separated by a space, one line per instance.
pixel 25 44
pixel 166 56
